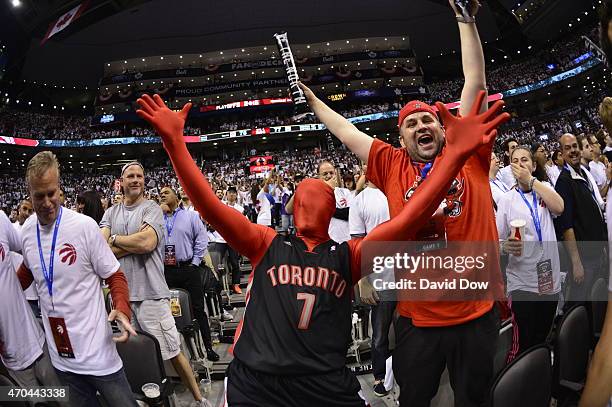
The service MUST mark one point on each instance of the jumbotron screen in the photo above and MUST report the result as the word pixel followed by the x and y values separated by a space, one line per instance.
pixel 261 163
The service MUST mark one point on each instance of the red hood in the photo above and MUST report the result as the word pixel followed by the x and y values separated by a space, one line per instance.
pixel 313 207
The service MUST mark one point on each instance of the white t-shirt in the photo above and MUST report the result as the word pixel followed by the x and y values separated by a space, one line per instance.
pixel 244 198
pixel 553 174
pixel 217 236
pixel 339 229
pixel 368 210
pixel 498 188
pixel 21 338
pixel 264 216
pixel 82 260
pixel 598 171
pixel 521 271
pixel 505 175
pixel 596 192
pixel 17 258
pixel 277 194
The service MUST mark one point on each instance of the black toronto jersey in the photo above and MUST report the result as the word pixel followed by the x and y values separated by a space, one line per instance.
pixel 298 315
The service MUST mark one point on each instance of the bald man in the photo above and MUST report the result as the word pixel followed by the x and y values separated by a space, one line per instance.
pixel 581 221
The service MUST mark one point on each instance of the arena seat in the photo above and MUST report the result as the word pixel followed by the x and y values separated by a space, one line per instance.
pixel 189 329
pixel 526 381
pixel 599 296
pixel 571 354
pixel 143 363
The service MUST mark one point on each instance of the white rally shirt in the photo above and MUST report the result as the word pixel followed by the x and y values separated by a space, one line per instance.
pixel 521 271
pixel 217 236
pixel 21 338
pixel 339 229
pixel 369 209
pixel 17 258
pixel 82 260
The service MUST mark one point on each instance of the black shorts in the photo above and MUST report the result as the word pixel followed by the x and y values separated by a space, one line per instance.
pixel 249 388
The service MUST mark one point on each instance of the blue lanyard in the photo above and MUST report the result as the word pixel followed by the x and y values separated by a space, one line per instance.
pixel 425 170
pixel 170 226
pixel 503 188
pixel 534 212
pixel 48 273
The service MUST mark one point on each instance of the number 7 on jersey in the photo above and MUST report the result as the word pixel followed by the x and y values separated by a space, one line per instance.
pixel 309 300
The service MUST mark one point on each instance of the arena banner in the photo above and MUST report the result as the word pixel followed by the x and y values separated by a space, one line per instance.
pixel 123 96
pixel 261 163
pixel 260 64
pixel 260 131
pixel 246 103
pixel 553 79
pixel 19 141
pixel 386 92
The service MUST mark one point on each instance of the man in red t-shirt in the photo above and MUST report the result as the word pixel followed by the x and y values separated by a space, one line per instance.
pixel 459 335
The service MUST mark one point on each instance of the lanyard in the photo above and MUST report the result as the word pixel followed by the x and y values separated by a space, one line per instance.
pixel 534 212
pixel 48 273
pixel 424 170
pixel 502 187
pixel 170 226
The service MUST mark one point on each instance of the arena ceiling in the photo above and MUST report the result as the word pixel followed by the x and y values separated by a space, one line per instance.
pixel 126 29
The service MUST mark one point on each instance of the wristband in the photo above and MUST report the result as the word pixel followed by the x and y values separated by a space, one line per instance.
pixel 462 19
pixel 533 179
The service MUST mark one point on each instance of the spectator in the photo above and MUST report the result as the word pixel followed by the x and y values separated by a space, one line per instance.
pixel 84 356
pixel 134 231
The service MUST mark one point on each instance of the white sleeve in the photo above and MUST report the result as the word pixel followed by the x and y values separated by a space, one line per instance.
pixel 506 177
pixel 501 217
pixel 597 175
pixel 356 222
pixel 14 241
pixel 100 254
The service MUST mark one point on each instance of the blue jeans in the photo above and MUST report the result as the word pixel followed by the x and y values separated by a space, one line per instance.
pixel 114 388
pixel 382 316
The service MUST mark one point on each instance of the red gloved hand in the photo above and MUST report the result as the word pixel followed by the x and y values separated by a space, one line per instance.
pixel 465 135
pixel 168 124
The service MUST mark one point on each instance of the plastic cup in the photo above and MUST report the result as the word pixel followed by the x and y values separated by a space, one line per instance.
pixel 206 386
pixel 151 390
pixel 518 230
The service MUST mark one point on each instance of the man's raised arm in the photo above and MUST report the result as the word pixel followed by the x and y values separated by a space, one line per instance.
pixel 472 59
pixel 356 140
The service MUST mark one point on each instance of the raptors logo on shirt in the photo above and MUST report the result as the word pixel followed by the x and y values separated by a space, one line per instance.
pixel 452 204
pixel 68 254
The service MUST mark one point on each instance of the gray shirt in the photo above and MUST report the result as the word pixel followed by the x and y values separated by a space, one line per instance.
pixel 144 272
